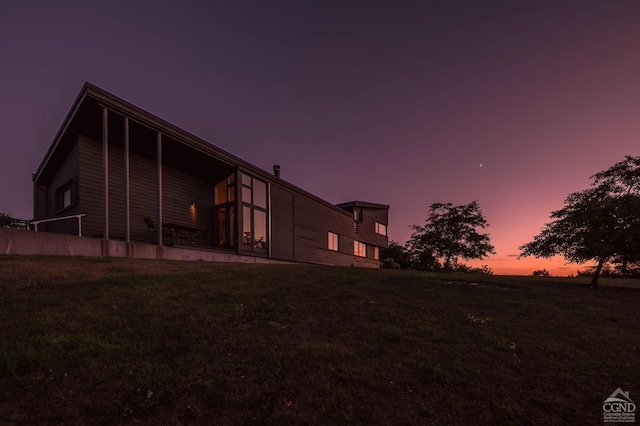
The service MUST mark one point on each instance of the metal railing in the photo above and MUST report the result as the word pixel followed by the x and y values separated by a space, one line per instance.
pixel 78 216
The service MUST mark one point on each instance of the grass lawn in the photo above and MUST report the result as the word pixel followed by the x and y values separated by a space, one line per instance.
pixel 118 341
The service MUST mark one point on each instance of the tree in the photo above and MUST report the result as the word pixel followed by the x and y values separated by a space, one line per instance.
pixel 541 273
pixel 601 223
pixel 449 234
pixel 7 221
pixel 397 253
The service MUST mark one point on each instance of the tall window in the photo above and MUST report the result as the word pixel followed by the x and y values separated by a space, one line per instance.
pixel 254 214
pixel 333 241
pixel 359 249
pixel 376 253
pixel 381 229
pixel 224 231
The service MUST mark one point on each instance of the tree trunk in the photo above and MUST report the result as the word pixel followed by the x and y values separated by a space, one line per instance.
pixel 447 261
pixel 623 268
pixel 594 280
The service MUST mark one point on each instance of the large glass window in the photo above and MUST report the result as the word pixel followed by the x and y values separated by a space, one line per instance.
pixel 381 229
pixel 259 229
pixel 376 253
pixel 246 227
pixel 359 249
pixel 255 232
pixel 224 230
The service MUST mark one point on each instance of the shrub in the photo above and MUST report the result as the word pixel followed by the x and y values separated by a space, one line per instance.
pixel 389 263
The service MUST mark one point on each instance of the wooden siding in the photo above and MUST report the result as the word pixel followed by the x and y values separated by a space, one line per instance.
pixel 367 229
pixel 312 223
pixel 180 191
pixel 67 171
pixel 116 193
pixel 143 198
pixel 281 223
pixel 90 186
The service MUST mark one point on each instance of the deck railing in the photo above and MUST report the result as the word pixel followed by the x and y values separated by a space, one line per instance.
pixel 35 223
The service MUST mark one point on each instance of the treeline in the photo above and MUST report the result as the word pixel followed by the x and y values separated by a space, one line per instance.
pixel 600 224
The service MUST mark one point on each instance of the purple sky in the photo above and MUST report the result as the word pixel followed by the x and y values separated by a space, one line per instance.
pixel 395 102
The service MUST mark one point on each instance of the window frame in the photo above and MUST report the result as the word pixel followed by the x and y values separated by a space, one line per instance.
pixel 359 248
pixel 60 196
pixel 247 201
pixel 224 200
pixel 379 226
pixel 336 241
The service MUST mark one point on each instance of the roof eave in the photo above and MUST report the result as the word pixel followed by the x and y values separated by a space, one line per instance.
pixel 56 140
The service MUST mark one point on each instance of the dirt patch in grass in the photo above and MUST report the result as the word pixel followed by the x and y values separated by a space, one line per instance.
pixel 117 341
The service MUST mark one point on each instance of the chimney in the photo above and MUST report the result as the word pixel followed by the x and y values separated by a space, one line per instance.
pixel 276 170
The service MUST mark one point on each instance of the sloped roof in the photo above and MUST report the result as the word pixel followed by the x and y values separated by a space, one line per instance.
pixel 115 104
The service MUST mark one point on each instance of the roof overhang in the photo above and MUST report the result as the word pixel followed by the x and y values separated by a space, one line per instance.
pixel 124 108
pixel 364 204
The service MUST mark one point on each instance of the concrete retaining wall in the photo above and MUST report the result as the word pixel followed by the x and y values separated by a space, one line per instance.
pixel 21 242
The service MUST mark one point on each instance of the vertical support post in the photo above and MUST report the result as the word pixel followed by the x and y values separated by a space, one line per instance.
pixel 105 166
pixel 159 168
pixel 79 226
pixel 269 218
pixel 35 201
pixel 127 208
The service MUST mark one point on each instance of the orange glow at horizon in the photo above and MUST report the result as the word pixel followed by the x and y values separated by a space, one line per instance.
pixel 511 265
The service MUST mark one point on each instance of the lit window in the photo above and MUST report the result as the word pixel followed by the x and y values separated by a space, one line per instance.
pixel 224 213
pixel 381 229
pixel 259 229
pixel 221 192
pixel 259 194
pixel 254 214
pixel 333 241
pixel 359 249
pixel 376 253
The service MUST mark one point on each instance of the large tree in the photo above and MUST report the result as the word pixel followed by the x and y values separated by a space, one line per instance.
pixel 601 223
pixel 451 232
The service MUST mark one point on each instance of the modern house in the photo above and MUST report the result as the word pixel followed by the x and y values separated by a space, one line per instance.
pixel 138 179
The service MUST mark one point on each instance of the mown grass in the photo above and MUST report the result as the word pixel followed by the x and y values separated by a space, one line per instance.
pixel 116 341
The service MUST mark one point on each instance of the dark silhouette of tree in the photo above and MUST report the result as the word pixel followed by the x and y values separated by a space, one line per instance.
pixel 7 221
pixel 601 223
pixel 397 253
pixel 541 273
pixel 449 234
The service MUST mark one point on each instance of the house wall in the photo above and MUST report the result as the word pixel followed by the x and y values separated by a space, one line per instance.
pixel 180 191
pixel 143 198
pixel 281 223
pixel 90 186
pixel 67 170
pixel 312 222
pixel 367 229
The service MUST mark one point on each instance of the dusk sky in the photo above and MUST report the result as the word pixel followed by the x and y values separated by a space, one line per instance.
pixel 395 102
